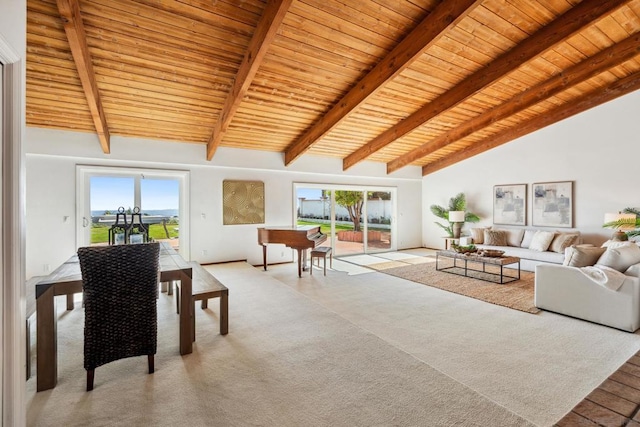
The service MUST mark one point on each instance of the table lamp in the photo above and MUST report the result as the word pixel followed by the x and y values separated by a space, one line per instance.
pixel 625 222
pixel 456 218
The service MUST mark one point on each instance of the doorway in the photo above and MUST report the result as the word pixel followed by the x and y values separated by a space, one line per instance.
pixel 356 220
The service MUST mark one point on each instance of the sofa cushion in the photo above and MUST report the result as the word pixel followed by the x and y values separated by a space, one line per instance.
pixel 528 237
pixel 562 241
pixel 478 235
pixel 620 258
pixel 528 254
pixel 495 237
pixel 634 270
pixel 582 256
pixel 541 240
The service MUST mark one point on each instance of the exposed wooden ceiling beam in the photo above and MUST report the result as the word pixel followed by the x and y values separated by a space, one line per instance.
pixel 583 103
pixel 575 19
pixel 70 13
pixel 264 34
pixel 446 15
pixel 590 67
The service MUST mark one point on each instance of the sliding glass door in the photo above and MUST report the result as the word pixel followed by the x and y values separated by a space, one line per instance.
pixel 160 196
pixel 356 219
pixel 380 205
pixel 348 219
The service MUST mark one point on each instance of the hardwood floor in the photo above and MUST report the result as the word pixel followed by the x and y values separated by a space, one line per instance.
pixel 616 402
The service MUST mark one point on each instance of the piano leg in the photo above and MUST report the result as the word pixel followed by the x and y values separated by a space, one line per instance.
pixel 300 251
pixel 264 257
pixel 304 260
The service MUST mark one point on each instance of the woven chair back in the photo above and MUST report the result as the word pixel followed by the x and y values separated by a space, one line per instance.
pixel 120 285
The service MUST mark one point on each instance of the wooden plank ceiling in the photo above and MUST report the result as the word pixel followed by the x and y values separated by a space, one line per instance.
pixel 406 82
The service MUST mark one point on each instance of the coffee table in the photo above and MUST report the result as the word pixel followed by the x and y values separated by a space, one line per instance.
pixel 464 269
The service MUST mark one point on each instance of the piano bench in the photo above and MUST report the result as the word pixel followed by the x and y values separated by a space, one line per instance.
pixel 321 252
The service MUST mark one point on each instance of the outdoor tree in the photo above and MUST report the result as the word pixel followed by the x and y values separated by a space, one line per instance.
pixel 352 201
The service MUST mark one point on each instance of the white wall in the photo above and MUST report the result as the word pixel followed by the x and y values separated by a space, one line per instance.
pixel 598 150
pixel 53 155
pixel 13 24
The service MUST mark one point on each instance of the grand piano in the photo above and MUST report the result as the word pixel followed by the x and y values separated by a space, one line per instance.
pixel 298 238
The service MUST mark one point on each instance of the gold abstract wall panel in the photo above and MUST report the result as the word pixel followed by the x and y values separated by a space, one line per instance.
pixel 242 202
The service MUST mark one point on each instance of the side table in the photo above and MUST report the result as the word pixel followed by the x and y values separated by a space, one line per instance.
pixel 448 241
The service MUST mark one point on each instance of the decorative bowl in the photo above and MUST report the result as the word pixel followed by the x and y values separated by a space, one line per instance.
pixel 464 249
pixel 491 253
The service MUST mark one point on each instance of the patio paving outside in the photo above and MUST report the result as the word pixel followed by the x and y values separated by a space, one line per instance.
pixel 343 248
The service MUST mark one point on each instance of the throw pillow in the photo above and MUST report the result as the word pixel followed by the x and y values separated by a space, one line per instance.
pixel 495 238
pixel 478 235
pixel 613 244
pixel 562 241
pixel 620 258
pixel 514 236
pixel 528 237
pixel 581 256
pixel 541 240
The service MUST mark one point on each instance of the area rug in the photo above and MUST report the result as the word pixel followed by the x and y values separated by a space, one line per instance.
pixel 517 295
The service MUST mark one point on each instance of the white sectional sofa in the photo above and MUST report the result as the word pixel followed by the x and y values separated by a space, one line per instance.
pixel 518 242
pixel 566 290
pixel 569 290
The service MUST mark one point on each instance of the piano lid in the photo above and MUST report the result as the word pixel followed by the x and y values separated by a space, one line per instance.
pixel 306 236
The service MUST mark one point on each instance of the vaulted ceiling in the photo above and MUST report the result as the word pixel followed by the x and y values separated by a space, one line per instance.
pixel 404 82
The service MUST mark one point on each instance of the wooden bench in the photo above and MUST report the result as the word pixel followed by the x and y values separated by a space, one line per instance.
pixel 206 286
pixel 321 252
pixel 30 294
pixel 31 310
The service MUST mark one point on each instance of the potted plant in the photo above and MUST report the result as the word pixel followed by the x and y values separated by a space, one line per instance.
pixel 627 225
pixel 456 204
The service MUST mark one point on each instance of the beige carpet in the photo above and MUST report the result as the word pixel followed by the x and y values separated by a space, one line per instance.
pixel 517 295
pixel 287 361
pixel 386 265
pixel 538 366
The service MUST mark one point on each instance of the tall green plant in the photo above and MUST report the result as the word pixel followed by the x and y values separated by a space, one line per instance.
pixel 457 203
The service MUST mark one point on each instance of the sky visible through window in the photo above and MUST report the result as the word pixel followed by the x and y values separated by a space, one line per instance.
pixel 109 193
pixel 309 193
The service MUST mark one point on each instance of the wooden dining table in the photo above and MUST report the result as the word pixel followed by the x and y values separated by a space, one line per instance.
pixel 67 280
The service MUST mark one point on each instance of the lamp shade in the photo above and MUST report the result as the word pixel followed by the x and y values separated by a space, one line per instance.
pixel 456 216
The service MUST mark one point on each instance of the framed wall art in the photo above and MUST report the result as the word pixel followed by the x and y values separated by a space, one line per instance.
pixel 242 202
pixel 510 204
pixel 552 204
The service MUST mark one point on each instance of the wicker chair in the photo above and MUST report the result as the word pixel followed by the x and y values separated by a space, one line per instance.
pixel 120 286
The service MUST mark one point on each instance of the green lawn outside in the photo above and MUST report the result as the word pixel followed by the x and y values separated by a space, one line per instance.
pixel 100 233
pixel 326 228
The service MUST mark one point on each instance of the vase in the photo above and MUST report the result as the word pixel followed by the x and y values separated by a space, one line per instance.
pixel 457 228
